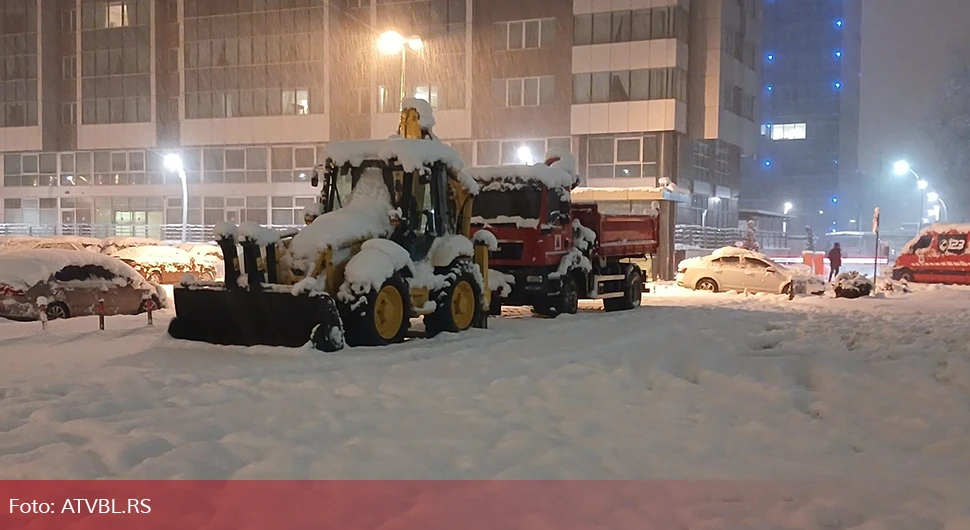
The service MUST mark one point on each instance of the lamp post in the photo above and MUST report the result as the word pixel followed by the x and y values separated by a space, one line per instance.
pixel 173 162
pixel 901 168
pixel 787 208
pixel 935 197
pixel 393 43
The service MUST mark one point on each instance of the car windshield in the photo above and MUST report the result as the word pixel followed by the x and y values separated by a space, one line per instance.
pixel 494 205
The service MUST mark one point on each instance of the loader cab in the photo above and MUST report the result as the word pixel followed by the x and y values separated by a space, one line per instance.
pixel 423 203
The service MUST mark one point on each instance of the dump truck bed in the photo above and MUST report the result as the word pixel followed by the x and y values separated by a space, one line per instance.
pixel 618 235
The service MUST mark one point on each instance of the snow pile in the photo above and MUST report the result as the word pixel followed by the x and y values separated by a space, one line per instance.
pixel 583 237
pixel 310 285
pixel 446 249
pixel 411 154
pixel 519 222
pixel 261 235
pixel 500 282
pixel 501 178
pixel 377 261
pixel 572 260
pixel 425 112
pixel 851 284
pixel 563 159
pixel 364 217
pixel 486 238
pixel 313 210
pixel 22 270
pixel 225 230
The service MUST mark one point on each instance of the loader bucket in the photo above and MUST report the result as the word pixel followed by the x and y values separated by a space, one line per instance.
pixel 243 317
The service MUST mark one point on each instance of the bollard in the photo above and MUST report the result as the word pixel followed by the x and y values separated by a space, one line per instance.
pixel 149 307
pixel 42 308
pixel 101 313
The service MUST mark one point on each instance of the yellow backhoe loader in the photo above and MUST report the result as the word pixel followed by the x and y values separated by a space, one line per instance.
pixel 390 241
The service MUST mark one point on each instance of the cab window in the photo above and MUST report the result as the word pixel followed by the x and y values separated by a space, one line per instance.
pixel 924 242
pixel 558 207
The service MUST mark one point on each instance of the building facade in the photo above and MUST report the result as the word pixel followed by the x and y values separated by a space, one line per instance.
pixel 810 121
pixel 96 92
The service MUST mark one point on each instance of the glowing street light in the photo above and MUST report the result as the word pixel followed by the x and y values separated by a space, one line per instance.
pixel 922 184
pixel 902 167
pixel 935 197
pixel 393 43
pixel 173 162
pixel 525 155
pixel 788 207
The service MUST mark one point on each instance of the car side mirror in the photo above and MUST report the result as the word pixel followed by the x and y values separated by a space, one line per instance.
pixel 771 269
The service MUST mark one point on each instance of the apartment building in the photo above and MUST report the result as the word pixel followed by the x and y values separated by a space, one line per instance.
pixel 809 148
pixel 96 92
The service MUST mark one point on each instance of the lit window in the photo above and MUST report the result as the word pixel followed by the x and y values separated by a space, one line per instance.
pixel 788 131
pixel 296 102
pixel 116 15
pixel 428 93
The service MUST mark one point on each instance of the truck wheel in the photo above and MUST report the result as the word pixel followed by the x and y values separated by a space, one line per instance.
pixel 905 275
pixel 568 303
pixel 632 292
pixel 459 306
pixel 385 316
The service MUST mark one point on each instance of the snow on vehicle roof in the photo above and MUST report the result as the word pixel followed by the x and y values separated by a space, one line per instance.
pixel 739 252
pixel 412 154
pixel 494 178
pixel 938 228
pixel 25 269
pixel 425 111
pixel 154 254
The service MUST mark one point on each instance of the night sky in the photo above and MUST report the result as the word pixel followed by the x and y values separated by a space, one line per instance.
pixel 908 50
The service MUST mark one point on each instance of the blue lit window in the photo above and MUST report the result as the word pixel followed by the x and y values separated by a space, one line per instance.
pixel 769 88
pixel 771 57
pixel 835 200
pixel 767 163
pixel 838 85
pixel 838 23
pixel 838 54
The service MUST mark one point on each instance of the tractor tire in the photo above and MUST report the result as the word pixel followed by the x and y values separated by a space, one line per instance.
pixel 327 338
pixel 632 291
pixel 459 306
pixel 384 318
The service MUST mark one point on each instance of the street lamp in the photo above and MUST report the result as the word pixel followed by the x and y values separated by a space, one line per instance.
pixel 788 207
pixel 934 197
pixel 393 43
pixel 902 167
pixel 525 155
pixel 173 162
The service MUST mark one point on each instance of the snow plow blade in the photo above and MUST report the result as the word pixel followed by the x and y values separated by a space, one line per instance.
pixel 241 317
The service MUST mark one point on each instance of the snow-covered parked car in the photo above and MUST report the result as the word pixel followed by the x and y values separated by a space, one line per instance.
pixel 737 269
pixel 72 282
pixel 112 245
pixel 17 243
pixel 167 265
pixel 209 252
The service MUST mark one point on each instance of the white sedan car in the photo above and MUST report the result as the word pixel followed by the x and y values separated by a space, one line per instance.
pixel 735 269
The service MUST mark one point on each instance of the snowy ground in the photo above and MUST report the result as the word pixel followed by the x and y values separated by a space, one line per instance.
pixel 872 395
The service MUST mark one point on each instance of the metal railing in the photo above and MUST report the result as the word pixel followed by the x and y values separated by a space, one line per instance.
pixel 710 238
pixel 167 233
pixel 686 236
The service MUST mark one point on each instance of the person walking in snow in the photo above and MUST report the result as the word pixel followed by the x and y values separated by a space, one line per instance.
pixel 835 260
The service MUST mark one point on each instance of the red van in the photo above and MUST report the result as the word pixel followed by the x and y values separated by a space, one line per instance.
pixel 938 255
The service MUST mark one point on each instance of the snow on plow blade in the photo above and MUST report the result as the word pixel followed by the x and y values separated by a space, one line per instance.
pixel 241 317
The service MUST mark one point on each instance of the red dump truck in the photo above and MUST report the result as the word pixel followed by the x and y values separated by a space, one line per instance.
pixel 553 252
